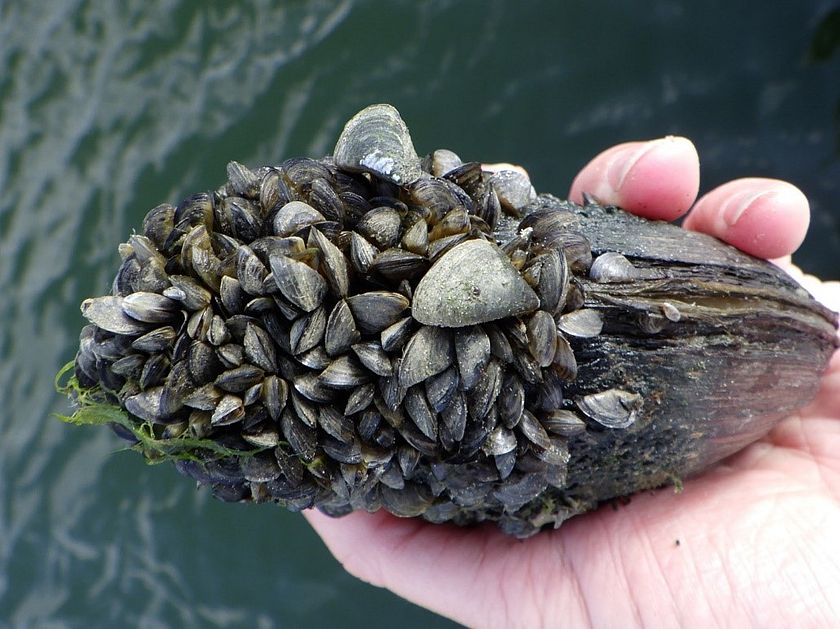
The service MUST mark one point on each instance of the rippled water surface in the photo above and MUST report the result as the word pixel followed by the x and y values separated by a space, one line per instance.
pixel 109 108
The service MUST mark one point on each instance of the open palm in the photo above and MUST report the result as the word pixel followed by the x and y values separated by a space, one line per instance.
pixel 754 541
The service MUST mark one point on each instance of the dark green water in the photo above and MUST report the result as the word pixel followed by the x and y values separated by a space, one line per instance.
pixel 108 108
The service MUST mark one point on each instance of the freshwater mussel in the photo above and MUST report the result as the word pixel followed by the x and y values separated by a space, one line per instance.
pixel 372 330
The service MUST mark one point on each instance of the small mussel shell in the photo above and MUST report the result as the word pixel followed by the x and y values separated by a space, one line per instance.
pixel 298 282
pixel 583 323
pixel 130 366
pixel 149 307
pixel 441 161
pixel 239 378
pixel 362 253
pixel 341 332
pixel 228 411
pixel 564 423
pixel 427 353
pixel 513 188
pixel 416 238
pixel 259 348
pixel 344 373
pixel 145 405
pixel 612 267
pixel 333 264
pixel 542 337
pixel 500 441
pixel 108 314
pixel 398 264
pixel 191 294
pixel 155 341
pixel 158 224
pixel 377 141
pixel 243 181
pixel 382 226
pixel 376 310
pixel 374 358
pixel 613 408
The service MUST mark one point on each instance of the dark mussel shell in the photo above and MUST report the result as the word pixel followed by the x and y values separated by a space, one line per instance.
pixel 402 355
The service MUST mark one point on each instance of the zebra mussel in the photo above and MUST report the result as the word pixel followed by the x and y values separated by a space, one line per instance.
pixel 372 330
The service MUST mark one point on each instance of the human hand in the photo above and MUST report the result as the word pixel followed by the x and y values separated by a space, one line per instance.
pixel 754 541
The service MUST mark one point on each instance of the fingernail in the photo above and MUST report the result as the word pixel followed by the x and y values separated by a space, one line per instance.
pixel 623 162
pixel 740 203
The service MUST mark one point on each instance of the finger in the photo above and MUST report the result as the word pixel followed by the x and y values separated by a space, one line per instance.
pixel 767 218
pixel 658 179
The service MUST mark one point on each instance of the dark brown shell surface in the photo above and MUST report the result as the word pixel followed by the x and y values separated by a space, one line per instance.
pixel 747 349
pixel 358 333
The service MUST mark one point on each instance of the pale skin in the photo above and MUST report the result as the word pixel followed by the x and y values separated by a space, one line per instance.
pixel 753 542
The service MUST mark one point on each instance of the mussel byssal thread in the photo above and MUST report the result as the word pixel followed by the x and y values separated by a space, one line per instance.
pixel 372 330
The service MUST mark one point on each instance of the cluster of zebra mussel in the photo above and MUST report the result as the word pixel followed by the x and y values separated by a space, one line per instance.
pixel 367 330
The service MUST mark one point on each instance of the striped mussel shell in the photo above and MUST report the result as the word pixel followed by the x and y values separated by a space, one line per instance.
pixel 376 331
